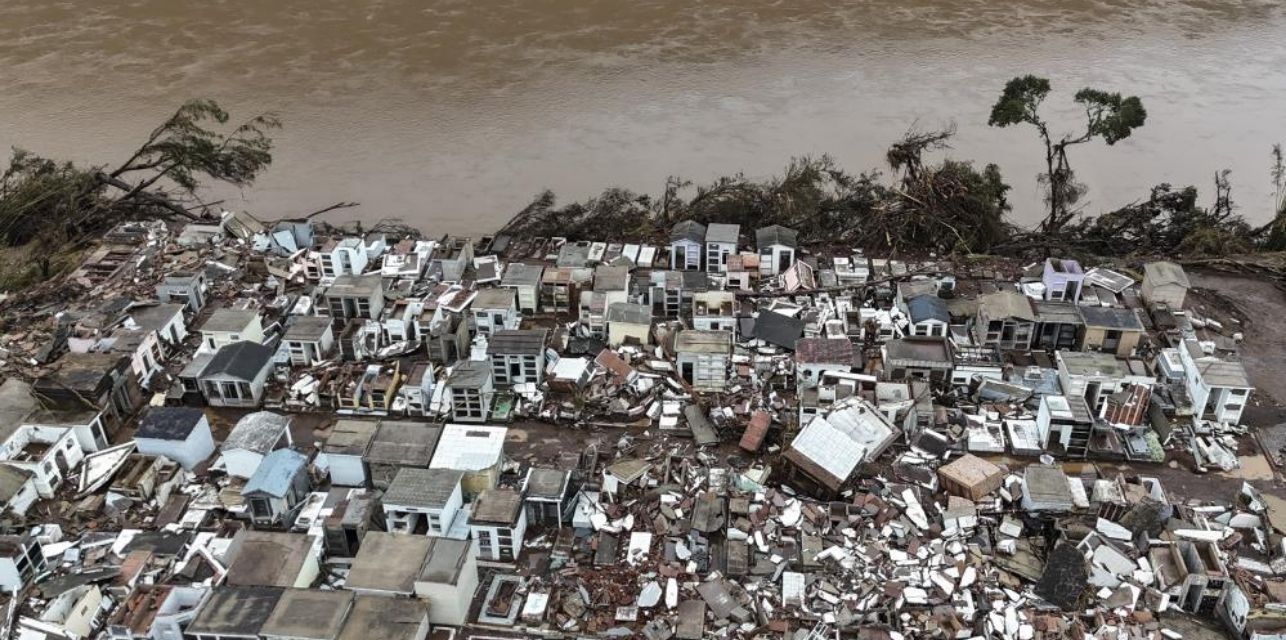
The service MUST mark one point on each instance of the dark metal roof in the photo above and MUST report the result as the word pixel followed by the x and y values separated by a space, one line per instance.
pixel 776 234
pixel 926 307
pixel 169 423
pixel 518 342
pixel 1112 318
pixel 1065 577
pixel 777 329
pixel 723 233
pixel 241 360
pixel 688 230
pixel 702 431
pixel 824 350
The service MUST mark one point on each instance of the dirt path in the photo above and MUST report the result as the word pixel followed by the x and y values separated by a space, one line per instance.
pixel 1263 306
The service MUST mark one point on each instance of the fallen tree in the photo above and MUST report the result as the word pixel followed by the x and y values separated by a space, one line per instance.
pixel 61 205
pixel 943 207
pixel 946 207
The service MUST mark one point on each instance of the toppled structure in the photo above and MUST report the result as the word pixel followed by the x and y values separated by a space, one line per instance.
pixel 380 434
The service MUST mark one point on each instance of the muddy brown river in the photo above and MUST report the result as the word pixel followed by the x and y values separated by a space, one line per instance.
pixel 452 114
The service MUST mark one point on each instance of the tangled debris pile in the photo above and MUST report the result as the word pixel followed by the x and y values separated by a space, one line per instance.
pixel 211 429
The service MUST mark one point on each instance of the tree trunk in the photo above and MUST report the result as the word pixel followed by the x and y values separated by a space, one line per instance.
pixel 132 192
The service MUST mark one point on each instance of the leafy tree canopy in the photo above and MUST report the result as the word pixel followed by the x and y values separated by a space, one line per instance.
pixel 1110 116
pixel 1020 102
pixel 60 202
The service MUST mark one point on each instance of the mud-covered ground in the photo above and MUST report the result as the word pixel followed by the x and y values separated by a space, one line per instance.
pixel 1262 308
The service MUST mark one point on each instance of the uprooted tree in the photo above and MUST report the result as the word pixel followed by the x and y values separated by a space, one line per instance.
pixel 947 206
pixel 1274 233
pixel 1108 116
pixel 60 203
pixel 1171 221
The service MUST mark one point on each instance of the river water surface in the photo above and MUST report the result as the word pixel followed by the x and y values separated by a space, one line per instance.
pixel 452 114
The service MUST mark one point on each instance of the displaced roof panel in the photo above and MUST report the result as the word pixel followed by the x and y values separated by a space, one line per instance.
pixel 824 351
pixel 777 329
pixel 1108 279
pixel 756 430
